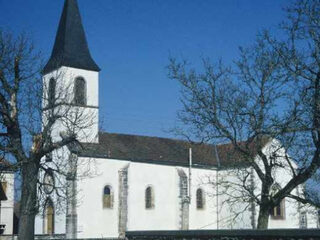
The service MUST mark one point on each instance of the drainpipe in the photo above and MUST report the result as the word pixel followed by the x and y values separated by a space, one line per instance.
pixel 253 207
pixel 190 166
pixel 217 183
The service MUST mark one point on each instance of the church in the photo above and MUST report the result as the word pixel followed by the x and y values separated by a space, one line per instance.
pixel 136 182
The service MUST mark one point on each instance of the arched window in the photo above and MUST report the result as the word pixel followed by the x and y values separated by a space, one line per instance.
pixel 278 212
pixel 48 181
pixel 49 217
pixel 149 198
pixel 52 92
pixel 200 198
pixel 107 197
pixel 80 91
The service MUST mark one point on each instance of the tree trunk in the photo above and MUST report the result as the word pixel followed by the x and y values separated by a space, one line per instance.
pixel 263 219
pixel 28 207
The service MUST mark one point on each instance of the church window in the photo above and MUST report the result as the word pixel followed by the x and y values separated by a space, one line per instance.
pixel 52 92
pixel 107 197
pixel 49 217
pixel 48 157
pixel 200 198
pixel 303 220
pixel 149 198
pixel 4 187
pixel 278 212
pixel 80 91
pixel 48 181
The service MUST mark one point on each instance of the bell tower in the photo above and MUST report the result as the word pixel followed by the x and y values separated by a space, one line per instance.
pixel 71 78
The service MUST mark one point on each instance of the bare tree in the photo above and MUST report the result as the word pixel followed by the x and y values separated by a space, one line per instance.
pixel 270 94
pixel 30 114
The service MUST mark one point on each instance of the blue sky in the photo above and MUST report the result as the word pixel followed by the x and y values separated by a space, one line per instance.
pixel 132 40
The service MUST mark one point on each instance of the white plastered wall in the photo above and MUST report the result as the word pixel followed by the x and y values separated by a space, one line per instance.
pixel 61 158
pixel 94 221
pixel 88 115
pixel 88 132
pixel 7 206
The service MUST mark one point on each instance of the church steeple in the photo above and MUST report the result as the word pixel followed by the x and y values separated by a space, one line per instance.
pixel 71 47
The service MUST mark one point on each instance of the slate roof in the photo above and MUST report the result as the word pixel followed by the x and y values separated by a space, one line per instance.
pixel 70 47
pixel 163 150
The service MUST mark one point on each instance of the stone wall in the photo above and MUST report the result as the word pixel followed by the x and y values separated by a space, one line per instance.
pixel 183 200
pixel 54 237
pixel 42 237
pixel 123 200
pixel 275 234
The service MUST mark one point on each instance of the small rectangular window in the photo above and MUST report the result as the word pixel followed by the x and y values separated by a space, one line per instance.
pixel 49 157
pixel 149 198
pixel 303 220
pixel 4 187
pixel 278 212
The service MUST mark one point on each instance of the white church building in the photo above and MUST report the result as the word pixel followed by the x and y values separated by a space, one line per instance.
pixel 137 182
pixel 6 198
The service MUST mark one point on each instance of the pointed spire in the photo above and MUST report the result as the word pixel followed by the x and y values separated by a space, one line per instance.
pixel 70 47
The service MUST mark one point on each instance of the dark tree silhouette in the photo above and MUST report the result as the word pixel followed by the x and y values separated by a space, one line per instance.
pixel 29 110
pixel 271 92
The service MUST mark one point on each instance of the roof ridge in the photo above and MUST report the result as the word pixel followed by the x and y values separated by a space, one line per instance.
pixel 174 139
pixel 170 139
pixel 145 136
